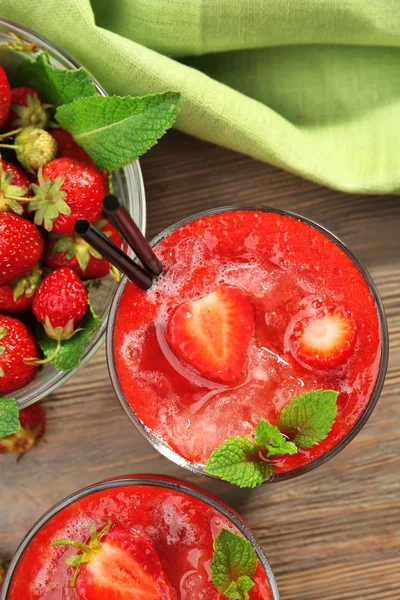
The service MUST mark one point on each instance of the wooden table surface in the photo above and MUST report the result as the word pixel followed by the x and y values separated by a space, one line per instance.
pixel 333 534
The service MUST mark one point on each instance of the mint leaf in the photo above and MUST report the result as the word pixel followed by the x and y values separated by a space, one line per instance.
pixel 58 86
pixel 71 350
pixel 233 565
pixel 269 437
pixel 9 421
pixel 114 131
pixel 235 461
pixel 239 589
pixel 308 418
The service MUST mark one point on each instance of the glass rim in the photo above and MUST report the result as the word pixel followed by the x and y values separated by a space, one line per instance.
pixel 132 174
pixel 172 455
pixel 146 480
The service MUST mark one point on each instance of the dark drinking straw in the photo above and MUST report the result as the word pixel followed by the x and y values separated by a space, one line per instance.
pixel 113 254
pixel 131 232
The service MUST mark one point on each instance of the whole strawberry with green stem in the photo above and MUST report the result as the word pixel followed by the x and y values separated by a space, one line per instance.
pixel 60 304
pixel 117 564
pixel 14 188
pixel 33 427
pixel 5 97
pixel 67 190
pixel 27 109
pixel 34 147
pixel 75 253
pixel 21 246
pixel 18 296
pixel 17 349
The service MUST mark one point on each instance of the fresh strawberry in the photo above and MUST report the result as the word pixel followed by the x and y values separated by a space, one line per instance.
pixel 67 190
pixel 5 97
pixel 14 184
pixel 16 345
pixel 4 562
pixel 213 333
pixel 27 108
pixel 326 339
pixel 117 564
pixel 68 148
pixel 21 246
pixel 18 296
pixel 33 427
pixel 75 253
pixel 60 303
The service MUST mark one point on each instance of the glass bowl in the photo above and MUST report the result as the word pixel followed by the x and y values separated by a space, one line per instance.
pixel 128 185
pixel 146 480
pixel 197 469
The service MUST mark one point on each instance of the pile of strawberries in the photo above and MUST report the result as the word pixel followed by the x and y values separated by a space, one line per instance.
pixel 47 183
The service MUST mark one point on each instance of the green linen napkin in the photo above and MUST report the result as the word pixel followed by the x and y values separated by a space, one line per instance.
pixel 312 86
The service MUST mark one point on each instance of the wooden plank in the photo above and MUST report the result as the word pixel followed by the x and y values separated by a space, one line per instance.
pixel 331 534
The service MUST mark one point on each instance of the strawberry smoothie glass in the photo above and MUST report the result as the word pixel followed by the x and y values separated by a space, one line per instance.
pixel 179 521
pixel 316 321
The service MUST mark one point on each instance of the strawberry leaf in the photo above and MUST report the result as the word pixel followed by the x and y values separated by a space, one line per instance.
pixel 233 565
pixel 114 131
pixel 9 421
pixel 308 418
pixel 71 351
pixel 269 437
pixel 235 461
pixel 58 86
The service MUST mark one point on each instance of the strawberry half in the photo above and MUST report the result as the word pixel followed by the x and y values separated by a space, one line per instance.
pixel 326 339
pixel 117 564
pixel 213 333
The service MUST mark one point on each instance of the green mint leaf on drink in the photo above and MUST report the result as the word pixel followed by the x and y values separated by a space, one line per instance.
pixel 115 130
pixel 58 86
pixel 236 461
pixel 269 437
pixel 71 351
pixel 307 419
pixel 233 565
pixel 9 420
pixel 239 590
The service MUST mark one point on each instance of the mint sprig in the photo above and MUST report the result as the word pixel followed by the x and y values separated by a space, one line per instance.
pixel 235 460
pixel 71 351
pixel 9 420
pixel 304 421
pixel 116 130
pixel 308 418
pixel 58 86
pixel 269 437
pixel 233 565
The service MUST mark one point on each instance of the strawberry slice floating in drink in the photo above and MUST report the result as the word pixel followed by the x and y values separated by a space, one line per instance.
pixel 117 564
pixel 325 340
pixel 213 333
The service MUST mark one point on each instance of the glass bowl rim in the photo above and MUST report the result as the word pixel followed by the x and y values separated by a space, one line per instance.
pixel 149 480
pixel 132 174
pixel 165 450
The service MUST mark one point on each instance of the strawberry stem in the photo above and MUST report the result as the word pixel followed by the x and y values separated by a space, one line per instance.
pixel 44 361
pixel 10 133
pixel 12 146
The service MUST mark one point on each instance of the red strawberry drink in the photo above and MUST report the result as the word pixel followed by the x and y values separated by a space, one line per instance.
pixel 141 537
pixel 259 316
